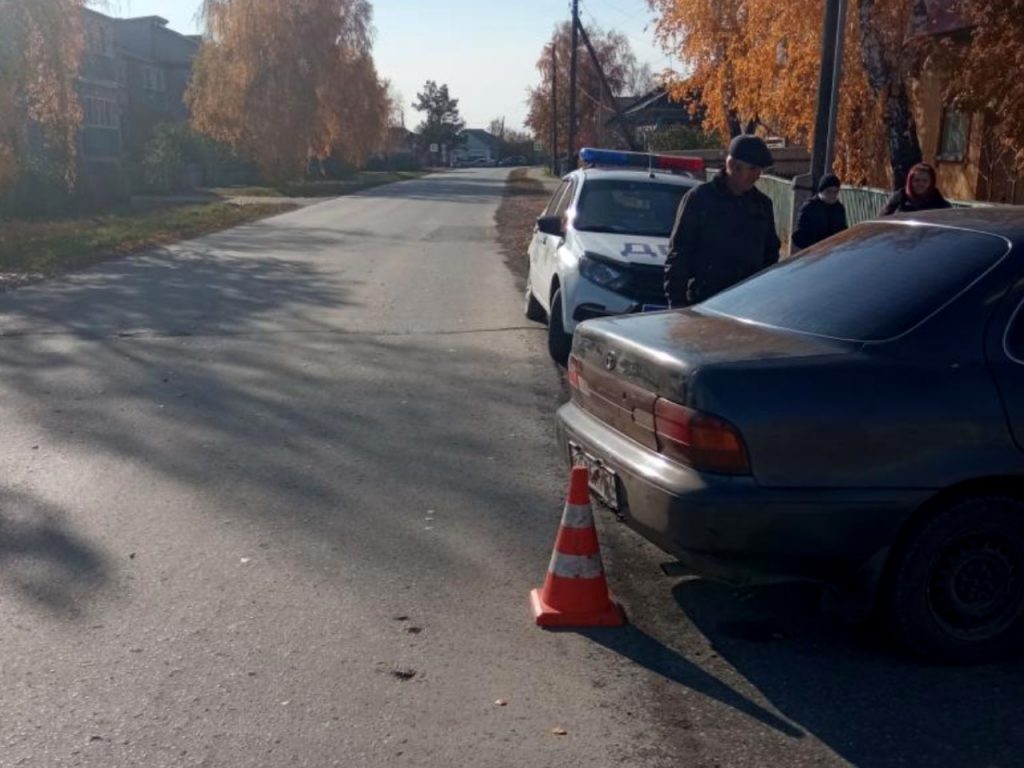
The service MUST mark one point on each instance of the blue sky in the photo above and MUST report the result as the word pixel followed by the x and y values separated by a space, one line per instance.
pixel 485 51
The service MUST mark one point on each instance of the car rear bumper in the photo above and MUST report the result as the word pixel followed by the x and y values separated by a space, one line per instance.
pixel 733 529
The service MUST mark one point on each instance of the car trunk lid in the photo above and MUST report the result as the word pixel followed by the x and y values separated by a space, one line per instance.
pixel 624 364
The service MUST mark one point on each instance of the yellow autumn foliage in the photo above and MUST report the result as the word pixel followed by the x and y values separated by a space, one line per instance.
pixel 282 81
pixel 756 63
pixel 40 53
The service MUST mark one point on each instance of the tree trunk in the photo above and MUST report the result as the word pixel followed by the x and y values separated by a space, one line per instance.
pixel 901 134
pixel 738 126
pixel 889 82
pixel 735 128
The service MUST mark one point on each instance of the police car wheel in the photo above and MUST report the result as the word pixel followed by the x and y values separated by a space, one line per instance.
pixel 534 311
pixel 559 342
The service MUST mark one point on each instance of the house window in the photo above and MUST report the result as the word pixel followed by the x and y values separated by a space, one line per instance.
pixel 152 79
pixel 99 113
pixel 953 140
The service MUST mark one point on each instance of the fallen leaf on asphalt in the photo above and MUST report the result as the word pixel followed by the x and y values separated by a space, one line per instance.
pixel 559 731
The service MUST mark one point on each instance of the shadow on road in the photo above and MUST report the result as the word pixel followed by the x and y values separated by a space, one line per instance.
pixel 221 278
pixel 852 688
pixel 640 648
pixel 43 559
pixel 296 421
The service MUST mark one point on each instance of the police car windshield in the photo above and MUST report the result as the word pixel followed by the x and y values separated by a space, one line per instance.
pixel 628 207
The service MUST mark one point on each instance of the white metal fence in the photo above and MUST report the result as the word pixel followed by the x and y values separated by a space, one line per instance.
pixel 861 203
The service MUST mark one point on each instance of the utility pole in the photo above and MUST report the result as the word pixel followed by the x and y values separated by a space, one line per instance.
pixel 806 184
pixel 826 86
pixel 607 88
pixel 572 83
pixel 837 73
pixel 554 106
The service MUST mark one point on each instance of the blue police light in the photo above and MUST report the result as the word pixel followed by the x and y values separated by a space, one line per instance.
pixel 611 157
pixel 591 156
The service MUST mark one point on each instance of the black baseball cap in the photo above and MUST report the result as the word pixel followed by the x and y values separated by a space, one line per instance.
pixel 751 149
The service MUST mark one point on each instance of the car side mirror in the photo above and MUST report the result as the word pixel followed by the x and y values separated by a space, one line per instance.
pixel 550 225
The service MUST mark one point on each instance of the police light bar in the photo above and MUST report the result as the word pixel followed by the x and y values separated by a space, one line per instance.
pixel 612 157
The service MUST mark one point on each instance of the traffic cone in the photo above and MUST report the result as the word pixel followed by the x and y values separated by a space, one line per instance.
pixel 575 592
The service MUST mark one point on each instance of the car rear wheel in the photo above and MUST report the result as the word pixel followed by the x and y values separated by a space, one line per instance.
pixel 955 591
pixel 534 311
pixel 559 342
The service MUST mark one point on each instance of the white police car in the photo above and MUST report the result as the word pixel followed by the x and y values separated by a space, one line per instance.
pixel 600 245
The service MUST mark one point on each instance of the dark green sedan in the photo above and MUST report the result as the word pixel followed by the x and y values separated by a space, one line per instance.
pixel 853 416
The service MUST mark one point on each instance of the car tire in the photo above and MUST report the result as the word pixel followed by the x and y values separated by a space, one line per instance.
pixel 559 342
pixel 955 588
pixel 534 311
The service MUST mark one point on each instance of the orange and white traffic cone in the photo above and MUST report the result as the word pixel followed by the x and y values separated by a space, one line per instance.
pixel 575 592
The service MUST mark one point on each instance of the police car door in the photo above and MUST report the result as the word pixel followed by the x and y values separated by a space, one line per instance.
pixel 547 254
pixel 539 280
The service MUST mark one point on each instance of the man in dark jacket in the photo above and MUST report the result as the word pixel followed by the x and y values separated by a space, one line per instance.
pixel 724 230
pixel 821 216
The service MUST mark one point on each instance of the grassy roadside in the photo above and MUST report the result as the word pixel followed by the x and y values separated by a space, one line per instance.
pixel 524 198
pixel 357 182
pixel 34 249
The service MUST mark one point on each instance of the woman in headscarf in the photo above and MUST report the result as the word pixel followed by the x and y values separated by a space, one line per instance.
pixel 919 194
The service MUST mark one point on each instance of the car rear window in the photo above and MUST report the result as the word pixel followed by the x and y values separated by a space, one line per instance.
pixel 871 283
pixel 628 207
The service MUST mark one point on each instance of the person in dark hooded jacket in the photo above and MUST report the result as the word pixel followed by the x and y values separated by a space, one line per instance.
pixel 919 194
pixel 820 216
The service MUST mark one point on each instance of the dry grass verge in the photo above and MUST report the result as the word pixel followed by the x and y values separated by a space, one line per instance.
pixel 523 200
pixel 31 250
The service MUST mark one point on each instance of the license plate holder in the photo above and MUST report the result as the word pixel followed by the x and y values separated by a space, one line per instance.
pixel 601 478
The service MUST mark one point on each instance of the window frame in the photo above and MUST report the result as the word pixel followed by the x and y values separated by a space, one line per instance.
pixel 952 157
pixel 98 112
pixel 556 198
pixel 567 200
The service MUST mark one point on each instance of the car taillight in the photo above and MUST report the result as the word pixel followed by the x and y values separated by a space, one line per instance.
pixel 572 372
pixel 703 441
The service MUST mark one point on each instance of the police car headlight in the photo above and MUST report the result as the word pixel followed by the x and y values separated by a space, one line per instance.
pixel 603 273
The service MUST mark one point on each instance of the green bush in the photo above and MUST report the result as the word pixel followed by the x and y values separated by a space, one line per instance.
pixel 40 190
pixel 177 158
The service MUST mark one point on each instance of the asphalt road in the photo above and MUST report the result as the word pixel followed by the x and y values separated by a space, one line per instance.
pixel 276 497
